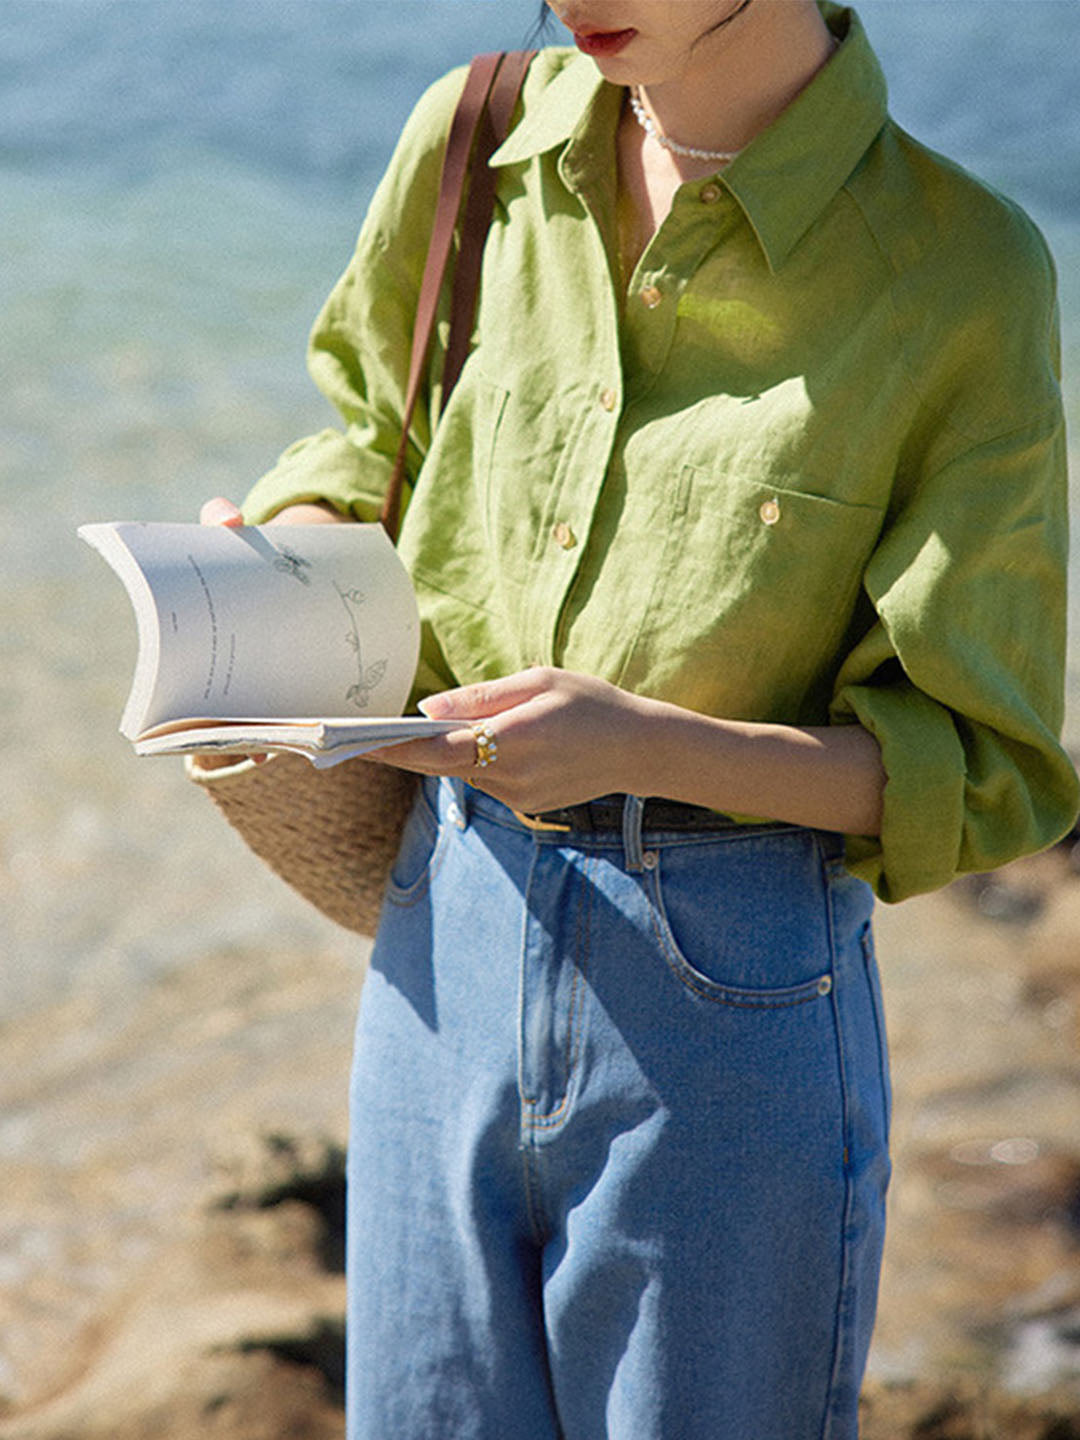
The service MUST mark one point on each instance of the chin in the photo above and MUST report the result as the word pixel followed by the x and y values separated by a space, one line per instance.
pixel 616 69
pixel 629 70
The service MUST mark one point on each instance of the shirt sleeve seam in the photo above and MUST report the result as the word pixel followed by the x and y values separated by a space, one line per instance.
pixel 973 446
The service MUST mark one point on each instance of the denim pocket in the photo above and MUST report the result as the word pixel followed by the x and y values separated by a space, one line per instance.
pixel 747 927
pixel 422 843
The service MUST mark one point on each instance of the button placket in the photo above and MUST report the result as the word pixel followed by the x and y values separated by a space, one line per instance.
pixel 649 320
pixel 563 538
pixel 557 552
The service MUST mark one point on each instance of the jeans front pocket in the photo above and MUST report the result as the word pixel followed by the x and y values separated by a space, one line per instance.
pixel 422 843
pixel 741 919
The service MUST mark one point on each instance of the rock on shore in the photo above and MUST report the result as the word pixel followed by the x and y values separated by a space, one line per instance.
pixel 174 1204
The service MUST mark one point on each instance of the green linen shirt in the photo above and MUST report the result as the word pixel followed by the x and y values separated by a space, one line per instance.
pixel 809 468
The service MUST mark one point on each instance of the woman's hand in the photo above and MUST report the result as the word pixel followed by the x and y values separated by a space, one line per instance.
pixel 220 511
pixel 562 738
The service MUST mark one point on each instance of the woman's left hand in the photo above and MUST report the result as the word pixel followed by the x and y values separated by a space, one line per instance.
pixel 561 738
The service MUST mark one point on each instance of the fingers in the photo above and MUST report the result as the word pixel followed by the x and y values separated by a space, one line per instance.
pixel 214 760
pixel 491 697
pixel 450 754
pixel 220 511
pixel 309 512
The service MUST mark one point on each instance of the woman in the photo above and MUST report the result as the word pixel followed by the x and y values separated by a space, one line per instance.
pixel 750 499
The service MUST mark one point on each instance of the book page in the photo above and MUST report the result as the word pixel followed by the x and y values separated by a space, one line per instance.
pixel 266 621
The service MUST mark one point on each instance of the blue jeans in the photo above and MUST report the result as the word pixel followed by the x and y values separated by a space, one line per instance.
pixel 618 1153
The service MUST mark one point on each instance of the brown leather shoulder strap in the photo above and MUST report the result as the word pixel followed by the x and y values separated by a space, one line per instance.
pixel 493 128
pixel 483 115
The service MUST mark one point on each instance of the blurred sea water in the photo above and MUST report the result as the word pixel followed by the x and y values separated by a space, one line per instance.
pixel 182 181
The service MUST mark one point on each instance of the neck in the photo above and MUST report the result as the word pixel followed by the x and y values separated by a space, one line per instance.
pixel 743 77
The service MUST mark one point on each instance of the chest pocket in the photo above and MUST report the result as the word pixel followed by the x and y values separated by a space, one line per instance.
pixel 758 581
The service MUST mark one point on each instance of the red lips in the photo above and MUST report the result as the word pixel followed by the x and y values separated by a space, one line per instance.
pixel 603 42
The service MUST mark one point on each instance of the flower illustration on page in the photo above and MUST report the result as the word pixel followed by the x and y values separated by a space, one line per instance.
pixel 289 563
pixel 369 673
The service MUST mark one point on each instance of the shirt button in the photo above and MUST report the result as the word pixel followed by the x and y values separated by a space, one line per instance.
pixel 651 297
pixel 770 511
pixel 710 193
pixel 563 535
pixel 608 399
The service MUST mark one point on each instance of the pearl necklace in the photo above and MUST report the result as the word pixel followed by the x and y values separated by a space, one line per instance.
pixel 649 125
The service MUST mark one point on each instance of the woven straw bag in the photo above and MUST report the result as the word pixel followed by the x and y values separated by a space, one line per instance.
pixel 333 834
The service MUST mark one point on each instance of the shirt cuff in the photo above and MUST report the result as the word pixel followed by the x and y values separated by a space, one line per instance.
pixel 924 799
pixel 326 466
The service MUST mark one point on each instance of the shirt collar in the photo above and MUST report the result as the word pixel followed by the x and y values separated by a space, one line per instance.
pixel 562 111
pixel 789 173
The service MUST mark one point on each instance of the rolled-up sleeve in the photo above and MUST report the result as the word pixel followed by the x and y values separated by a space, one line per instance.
pixel 358 352
pixel 960 679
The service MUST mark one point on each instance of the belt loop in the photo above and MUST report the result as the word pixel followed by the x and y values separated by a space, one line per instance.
pixel 633 806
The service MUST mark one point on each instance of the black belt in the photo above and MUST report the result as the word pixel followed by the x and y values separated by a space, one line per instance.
pixel 605 814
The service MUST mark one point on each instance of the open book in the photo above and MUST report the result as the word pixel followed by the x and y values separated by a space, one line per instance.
pixel 283 637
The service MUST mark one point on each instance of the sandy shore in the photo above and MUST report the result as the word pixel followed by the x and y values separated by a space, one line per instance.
pixel 172 1152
